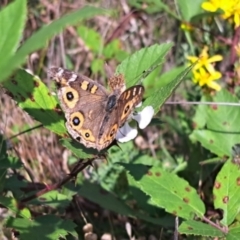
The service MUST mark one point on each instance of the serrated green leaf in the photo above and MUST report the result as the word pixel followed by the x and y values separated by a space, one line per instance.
pixel 222 124
pixel 78 149
pixel 111 202
pixel 167 191
pixel 159 96
pixel 12 20
pixel 141 61
pixel 34 97
pixel 43 227
pixel 39 39
pixel 10 162
pixel 234 232
pixel 227 192
pixel 53 199
pixel 192 227
pixel 14 184
pixel 12 205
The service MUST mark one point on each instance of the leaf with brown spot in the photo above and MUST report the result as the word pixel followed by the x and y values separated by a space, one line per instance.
pixel 219 128
pixel 167 191
pixel 227 192
pixel 110 201
pixel 192 227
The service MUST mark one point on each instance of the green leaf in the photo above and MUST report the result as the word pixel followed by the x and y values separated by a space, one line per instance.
pixel 190 9
pixel 234 232
pixel 114 50
pixel 91 38
pixel 53 199
pixel 222 123
pixel 167 191
pixel 142 61
pixel 227 192
pixel 34 97
pixel 167 77
pixel 111 202
pixel 12 205
pixel 39 39
pixel 192 227
pixel 199 119
pixel 159 96
pixel 12 20
pixel 43 227
pixel 10 162
pixel 97 66
pixel 78 149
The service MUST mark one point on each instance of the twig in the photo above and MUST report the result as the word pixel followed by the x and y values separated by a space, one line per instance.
pixel 28 130
pixel 78 168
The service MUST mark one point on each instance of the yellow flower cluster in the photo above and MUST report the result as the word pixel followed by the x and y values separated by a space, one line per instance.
pixel 231 9
pixel 204 72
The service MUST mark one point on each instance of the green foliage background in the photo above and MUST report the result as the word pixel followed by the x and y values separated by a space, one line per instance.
pixel 184 166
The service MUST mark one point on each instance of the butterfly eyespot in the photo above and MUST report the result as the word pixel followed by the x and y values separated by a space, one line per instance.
pixel 76 121
pixel 126 109
pixel 112 132
pixel 69 96
pixel 87 135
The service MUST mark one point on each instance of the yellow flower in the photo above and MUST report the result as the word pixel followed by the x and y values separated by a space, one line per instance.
pixel 202 77
pixel 231 9
pixel 204 60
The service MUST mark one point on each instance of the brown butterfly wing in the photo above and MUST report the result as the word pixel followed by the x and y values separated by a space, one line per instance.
pixel 118 115
pixel 83 102
pixel 128 100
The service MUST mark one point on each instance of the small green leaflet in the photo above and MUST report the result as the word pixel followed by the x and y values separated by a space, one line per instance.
pixel 192 227
pixel 34 97
pixel 12 205
pixel 79 150
pixel 42 227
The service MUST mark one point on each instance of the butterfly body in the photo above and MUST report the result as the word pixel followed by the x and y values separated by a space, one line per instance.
pixel 94 115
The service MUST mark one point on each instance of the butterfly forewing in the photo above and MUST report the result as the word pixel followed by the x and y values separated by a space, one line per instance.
pixel 128 100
